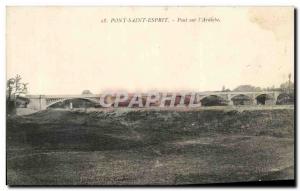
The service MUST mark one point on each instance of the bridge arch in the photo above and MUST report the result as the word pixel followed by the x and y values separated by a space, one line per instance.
pixel 241 99
pixel 284 99
pixel 79 103
pixel 264 99
pixel 213 100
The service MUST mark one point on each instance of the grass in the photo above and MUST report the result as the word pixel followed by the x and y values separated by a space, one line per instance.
pixel 140 147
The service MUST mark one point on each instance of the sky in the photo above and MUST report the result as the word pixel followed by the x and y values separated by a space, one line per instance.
pixel 65 50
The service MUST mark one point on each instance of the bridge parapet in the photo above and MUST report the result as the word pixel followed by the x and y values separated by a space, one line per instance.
pixel 41 102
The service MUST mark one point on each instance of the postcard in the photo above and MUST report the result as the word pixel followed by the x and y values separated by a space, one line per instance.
pixel 150 96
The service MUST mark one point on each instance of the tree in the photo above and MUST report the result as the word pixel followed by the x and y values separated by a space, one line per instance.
pixel 85 92
pixel 225 90
pixel 14 88
pixel 247 88
pixel 287 87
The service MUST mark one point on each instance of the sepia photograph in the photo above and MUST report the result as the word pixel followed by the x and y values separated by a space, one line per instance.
pixel 150 96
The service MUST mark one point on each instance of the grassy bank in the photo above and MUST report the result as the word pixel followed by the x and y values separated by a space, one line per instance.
pixel 150 147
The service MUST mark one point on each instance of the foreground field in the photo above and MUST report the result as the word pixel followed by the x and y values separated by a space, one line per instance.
pixel 150 147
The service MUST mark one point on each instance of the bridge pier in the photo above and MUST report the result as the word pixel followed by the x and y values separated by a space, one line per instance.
pixel 229 99
pixel 37 103
pixel 253 100
pixel 230 102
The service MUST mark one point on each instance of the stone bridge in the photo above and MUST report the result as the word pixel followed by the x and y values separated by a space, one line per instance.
pixel 42 102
